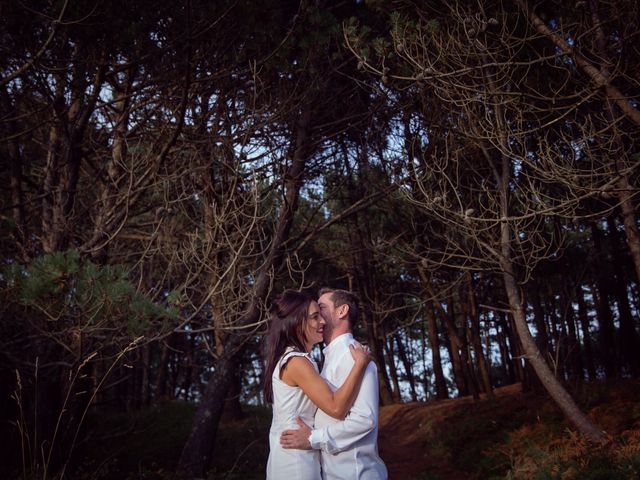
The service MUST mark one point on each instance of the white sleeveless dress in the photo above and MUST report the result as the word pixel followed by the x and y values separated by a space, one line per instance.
pixel 289 403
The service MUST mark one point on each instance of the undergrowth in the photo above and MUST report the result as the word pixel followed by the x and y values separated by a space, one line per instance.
pixel 148 444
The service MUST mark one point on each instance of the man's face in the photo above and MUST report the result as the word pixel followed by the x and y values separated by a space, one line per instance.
pixel 329 313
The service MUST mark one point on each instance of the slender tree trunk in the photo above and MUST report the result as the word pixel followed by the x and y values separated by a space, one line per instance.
pixel 583 316
pixel 461 314
pixel 573 347
pixel 508 362
pixel 116 165
pixel 364 266
pixel 377 350
pixel 406 363
pixel 558 335
pixel 52 169
pixel 187 363
pixel 434 340
pixel 390 355
pixel 232 408
pixel 197 453
pixel 163 366
pixel 476 341
pixel 17 195
pixel 601 294
pixel 456 347
pixel 628 213
pixel 550 382
pixel 599 77
pixel 542 336
pixel 629 344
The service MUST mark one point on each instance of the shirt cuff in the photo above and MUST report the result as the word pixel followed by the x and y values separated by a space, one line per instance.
pixel 316 439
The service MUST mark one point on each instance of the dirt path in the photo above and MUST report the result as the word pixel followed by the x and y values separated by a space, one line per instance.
pixel 408 433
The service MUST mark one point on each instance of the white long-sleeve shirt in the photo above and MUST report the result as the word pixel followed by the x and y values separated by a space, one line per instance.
pixel 349 447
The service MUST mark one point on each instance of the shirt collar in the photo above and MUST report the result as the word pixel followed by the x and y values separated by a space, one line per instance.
pixel 343 339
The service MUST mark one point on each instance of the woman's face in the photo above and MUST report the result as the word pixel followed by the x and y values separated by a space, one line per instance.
pixel 314 326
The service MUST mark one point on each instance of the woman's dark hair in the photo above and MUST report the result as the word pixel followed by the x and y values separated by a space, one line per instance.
pixel 288 315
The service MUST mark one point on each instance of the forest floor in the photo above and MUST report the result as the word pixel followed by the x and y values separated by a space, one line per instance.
pixel 443 439
pixel 513 435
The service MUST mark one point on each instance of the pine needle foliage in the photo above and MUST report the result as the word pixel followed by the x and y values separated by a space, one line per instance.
pixel 68 289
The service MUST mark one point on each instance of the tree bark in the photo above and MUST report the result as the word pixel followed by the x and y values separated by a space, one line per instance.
pixel 476 341
pixel 542 336
pixel 390 354
pixel 573 347
pixel 583 317
pixel 459 376
pixel 406 363
pixel 197 453
pixel 506 358
pixel 163 366
pixel 629 344
pixel 601 79
pixel 601 294
pixel 434 343
pixel 550 382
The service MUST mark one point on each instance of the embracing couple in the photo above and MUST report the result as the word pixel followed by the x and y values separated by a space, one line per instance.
pixel 325 425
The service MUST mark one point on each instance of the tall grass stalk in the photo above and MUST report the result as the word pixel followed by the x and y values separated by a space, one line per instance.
pixel 38 458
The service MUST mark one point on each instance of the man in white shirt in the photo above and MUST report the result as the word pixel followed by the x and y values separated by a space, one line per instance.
pixel 349 448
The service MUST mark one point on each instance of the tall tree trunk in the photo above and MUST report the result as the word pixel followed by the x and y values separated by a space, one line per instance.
pixel 442 391
pixel 601 294
pixel 542 336
pixel 550 382
pixel 629 344
pixel 434 343
pixel 476 341
pixel 573 347
pixel 232 408
pixel 363 264
pixel 454 344
pixel 625 191
pixel 116 165
pixel 15 161
pixel 558 334
pixel 598 75
pixel 377 350
pixel 197 453
pixel 390 354
pixel 163 366
pixel 583 317
pixel 459 376
pixel 188 367
pixel 406 363
pixel 461 314
pixel 628 213
pixel 508 360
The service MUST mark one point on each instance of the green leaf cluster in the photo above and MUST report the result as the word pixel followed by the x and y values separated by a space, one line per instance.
pixel 63 287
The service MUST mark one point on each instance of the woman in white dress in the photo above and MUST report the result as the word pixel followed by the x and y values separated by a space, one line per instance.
pixel 294 386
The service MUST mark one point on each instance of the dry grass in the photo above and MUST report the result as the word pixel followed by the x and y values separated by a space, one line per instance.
pixel 513 436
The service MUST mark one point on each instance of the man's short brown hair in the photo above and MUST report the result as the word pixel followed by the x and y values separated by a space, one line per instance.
pixel 344 297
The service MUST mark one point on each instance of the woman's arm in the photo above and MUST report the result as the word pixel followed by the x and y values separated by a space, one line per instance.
pixel 299 372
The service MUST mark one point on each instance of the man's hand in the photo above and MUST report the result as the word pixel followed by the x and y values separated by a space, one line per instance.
pixel 298 439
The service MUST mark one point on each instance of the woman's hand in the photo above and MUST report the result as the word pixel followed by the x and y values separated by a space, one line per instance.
pixel 361 354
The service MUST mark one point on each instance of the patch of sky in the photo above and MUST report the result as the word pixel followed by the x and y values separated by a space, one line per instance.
pixel 517 167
